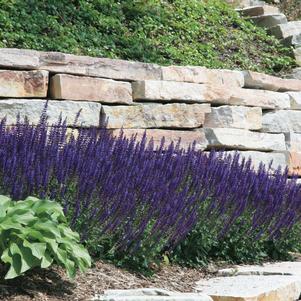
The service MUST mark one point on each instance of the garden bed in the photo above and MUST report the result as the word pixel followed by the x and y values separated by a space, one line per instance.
pixel 53 285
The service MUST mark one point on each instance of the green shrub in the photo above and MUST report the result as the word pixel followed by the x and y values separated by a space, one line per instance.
pixel 192 32
pixel 34 233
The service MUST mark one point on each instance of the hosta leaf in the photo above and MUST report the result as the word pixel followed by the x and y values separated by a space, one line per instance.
pixel 37 249
pixel 68 232
pixel 48 207
pixel 6 256
pixel 15 267
pixel 5 202
pixel 47 227
pixel 46 260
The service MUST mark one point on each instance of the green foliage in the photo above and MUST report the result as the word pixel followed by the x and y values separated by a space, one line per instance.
pixel 203 245
pixel 34 233
pixel 192 32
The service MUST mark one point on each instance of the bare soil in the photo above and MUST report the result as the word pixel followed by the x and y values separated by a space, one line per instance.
pixel 53 285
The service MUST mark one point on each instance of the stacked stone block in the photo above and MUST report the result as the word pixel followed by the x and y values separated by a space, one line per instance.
pixel 255 114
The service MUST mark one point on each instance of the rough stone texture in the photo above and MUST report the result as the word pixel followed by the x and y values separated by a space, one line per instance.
pixel 279 159
pixel 295 100
pixel 282 31
pixel 82 65
pixel 297 54
pixel 186 137
pixel 234 117
pixel 63 86
pixel 257 80
pixel 293 141
pixel 282 121
pixel 252 288
pixel 269 21
pixel 174 115
pixel 295 74
pixel 203 75
pixel 33 108
pixel 294 163
pixel 168 91
pixel 259 10
pixel 294 40
pixel 23 83
pixel 292 268
pixel 244 140
pixel 150 294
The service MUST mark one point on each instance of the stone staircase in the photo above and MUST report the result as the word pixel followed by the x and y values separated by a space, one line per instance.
pixel 269 17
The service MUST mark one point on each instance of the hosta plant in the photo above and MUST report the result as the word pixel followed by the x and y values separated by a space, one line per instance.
pixel 34 233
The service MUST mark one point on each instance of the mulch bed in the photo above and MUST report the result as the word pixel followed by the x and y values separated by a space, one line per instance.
pixel 53 285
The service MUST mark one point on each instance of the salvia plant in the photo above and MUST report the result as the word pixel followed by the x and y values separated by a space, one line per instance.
pixel 35 233
pixel 142 195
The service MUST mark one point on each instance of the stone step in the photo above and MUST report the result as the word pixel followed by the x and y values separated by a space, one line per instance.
pixel 294 40
pixel 283 31
pixel 269 21
pixel 246 3
pixel 221 138
pixel 259 10
pixel 251 288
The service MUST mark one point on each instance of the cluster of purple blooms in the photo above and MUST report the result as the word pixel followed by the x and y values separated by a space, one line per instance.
pixel 130 187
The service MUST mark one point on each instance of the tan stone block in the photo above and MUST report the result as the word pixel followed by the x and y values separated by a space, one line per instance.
pixel 168 91
pixel 63 86
pixel 173 116
pixel 256 80
pixel 57 62
pixel 187 137
pixel 238 139
pixel 203 75
pixel 23 83
pixel 234 117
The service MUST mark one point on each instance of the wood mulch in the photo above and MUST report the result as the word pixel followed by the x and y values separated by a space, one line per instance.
pixel 53 285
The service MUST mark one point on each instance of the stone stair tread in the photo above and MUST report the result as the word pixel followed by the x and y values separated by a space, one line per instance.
pixel 251 288
pixel 269 21
pixel 283 31
pixel 258 10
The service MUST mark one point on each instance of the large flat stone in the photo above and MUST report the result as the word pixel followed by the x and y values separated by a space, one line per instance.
pixel 234 117
pixel 203 75
pixel 64 86
pixel 259 10
pixel 23 83
pixel 238 139
pixel 173 116
pixel 294 40
pixel 168 91
pixel 256 80
pixel 150 294
pixel 283 31
pixel 186 137
pixel 282 121
pixel 57 62
pixel 33 108
pixel 279 159
pixel 251 288
pixel 292 268
pixel 268 21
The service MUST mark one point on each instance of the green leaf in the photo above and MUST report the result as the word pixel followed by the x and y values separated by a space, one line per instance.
pixel 5 202
pixel 37 249
pixel 15 267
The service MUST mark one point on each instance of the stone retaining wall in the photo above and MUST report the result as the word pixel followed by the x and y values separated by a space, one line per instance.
pixel 257 114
